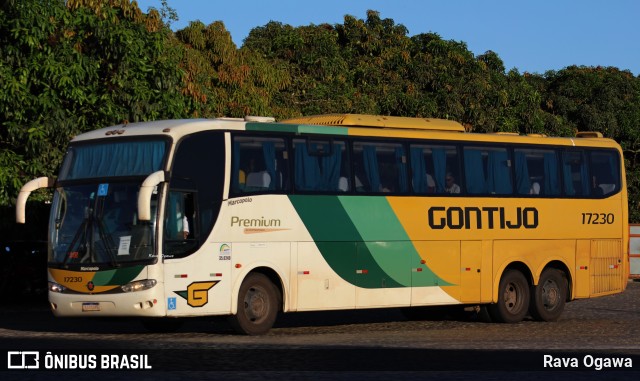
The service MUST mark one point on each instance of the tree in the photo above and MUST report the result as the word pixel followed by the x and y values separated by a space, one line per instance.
pixel 376 52
pixel 319 75
pixel 224 81
pixel 69 68
pixel 606 100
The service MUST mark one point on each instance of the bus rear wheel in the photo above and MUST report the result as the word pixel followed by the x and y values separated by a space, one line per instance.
pixel 162 325
pixel 258 302
pixel 549 296
pixel 513 298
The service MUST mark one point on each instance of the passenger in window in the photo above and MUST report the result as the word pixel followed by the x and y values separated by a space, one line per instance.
pixel 387 187
pixel 185 227
pixel 242 178
pixel 431 184
pixel 607 188
pixel 535 188
pixel 187 215
pixel 450 184
pixel 601 189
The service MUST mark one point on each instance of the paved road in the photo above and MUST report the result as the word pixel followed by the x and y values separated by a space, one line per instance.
pixel 344 342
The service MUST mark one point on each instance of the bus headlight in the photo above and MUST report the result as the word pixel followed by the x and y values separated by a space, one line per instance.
pixel 55 287
pixel 139 285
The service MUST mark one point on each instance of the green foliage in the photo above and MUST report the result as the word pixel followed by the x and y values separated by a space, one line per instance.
pixel 605 100
pixel 67 67
pixel 222 80
pixel 318 81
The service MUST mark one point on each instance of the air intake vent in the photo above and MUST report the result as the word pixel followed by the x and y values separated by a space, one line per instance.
pixel 606 266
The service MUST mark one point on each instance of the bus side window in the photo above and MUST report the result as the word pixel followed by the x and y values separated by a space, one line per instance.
pixel 536 172
pixel 180 221
pixel 487 170
pixel 258 164
pixel 196 188
pixel 524 181
pixel 430 165
pixel 380 167
pixel 604 170
pixel 181 230
pixel 575 176
pixel 320 165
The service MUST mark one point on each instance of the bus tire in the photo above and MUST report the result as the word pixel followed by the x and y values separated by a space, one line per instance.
pixel 513 298
pixel 549 296
pixel 258 304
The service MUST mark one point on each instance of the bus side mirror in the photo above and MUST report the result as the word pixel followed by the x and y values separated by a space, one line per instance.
pixel 25 191
pixel 146 190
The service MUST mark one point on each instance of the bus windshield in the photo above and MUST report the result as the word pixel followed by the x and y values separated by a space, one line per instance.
pixel 97 224
pixel 94 211
pixel 113 159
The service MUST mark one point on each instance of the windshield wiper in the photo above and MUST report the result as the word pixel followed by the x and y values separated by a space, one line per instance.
pixel 82 248
pixel 107 243
pixel 86 248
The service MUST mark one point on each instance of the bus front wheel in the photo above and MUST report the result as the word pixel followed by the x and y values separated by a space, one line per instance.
pixel 513 298
pixel 258 303
pixel 549 296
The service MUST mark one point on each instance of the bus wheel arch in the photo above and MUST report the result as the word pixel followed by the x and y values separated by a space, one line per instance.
pixel 259 301
pixel 512 296
pixel 550 295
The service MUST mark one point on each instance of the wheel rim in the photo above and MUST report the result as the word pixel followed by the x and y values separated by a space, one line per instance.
pixel 256 304
pixel 550 295
pixel 512 298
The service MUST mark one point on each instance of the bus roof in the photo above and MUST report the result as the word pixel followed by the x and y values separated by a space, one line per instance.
pixel 338 124
pixel 378 121
pixel 172 127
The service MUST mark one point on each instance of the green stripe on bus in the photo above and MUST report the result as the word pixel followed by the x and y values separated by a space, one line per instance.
pixel 323 130
pixel 272 127
pixel 388 242
pixel 374 218
pixel 116 277
pixel 341 258
pixel 362 240
pixel 325 218
pixel 339 241
pixel 103 278
pixel 296 128
pixel 126 275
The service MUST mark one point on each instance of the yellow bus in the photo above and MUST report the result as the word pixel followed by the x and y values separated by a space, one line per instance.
pixel 249 217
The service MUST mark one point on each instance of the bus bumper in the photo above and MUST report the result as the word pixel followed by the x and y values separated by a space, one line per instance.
pixel 144 304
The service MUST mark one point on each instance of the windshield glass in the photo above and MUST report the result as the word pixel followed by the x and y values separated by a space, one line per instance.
pixel 97 224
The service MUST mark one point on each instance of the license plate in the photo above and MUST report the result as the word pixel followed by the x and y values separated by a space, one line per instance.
pixel 86 307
